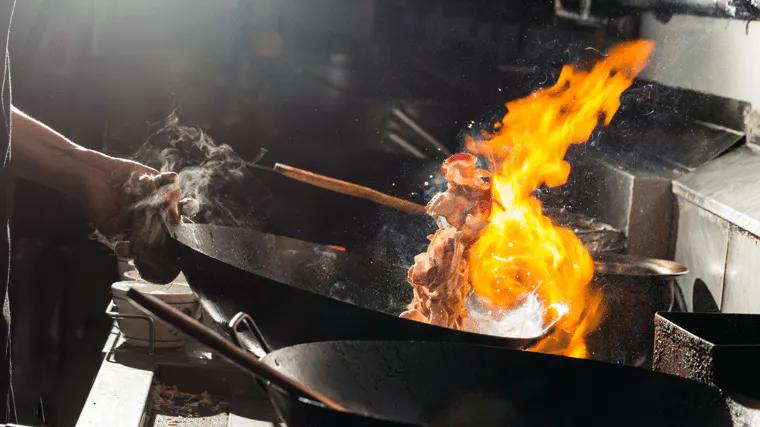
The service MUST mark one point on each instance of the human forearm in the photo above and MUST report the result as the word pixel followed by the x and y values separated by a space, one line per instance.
pixel 99 182
pixel 42 155
pixel 108 189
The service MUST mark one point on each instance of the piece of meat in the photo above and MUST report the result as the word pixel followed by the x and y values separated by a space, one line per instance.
pixel 439 279
pixel 413 314
pixel 461 170
pixel 451 206
pixel 439 276
pixel 434 265
pixel 472 227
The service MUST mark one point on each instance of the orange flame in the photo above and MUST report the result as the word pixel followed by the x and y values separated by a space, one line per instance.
pixel 521 250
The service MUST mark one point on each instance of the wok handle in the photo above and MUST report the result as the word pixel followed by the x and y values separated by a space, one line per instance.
pixel 349 189
pixel 247 334
pixel 224 347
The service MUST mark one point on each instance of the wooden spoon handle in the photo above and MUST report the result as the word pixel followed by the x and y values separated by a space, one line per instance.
pixel 349 189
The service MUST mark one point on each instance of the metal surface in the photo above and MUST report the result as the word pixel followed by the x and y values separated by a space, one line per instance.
pixel 622 265
pixel 702 244
pixel 247 334
pixel 598 237
pixel 302 292
pixel 741 293
pixel 666 145
pixel 752 123
pixel 120 392
pixel 448 384
pixel 582 16
pixel 623 175
pixel 419 130
pixel 217 396
pixel 727 187
pixel 638 203
pixel 113 314
pixel 738 9
pixel 634 290
pixel 714 348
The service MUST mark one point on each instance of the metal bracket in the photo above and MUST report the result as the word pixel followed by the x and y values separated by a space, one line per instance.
pixel 582 16
pixel 247 334
pixel 113 314
pixel 752 127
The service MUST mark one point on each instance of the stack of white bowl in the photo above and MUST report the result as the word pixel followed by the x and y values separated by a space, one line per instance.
pixel 137 331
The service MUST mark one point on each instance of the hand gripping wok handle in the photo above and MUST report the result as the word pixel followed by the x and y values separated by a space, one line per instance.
pixel 224 347
pixel 247 334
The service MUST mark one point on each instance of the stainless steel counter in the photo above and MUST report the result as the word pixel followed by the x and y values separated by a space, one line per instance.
pixel 728 186
pixel 719 225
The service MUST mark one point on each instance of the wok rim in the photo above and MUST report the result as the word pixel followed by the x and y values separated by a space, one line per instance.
pixel 518 343
pixel 635 266
pixel 268 359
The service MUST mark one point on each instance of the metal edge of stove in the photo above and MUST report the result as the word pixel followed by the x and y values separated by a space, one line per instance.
pixel 719 225
pixel 640 205
pixel 120 392
pixel 727 187
pixel 232 399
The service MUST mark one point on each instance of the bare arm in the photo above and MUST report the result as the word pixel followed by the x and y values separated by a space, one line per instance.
pixel 42 155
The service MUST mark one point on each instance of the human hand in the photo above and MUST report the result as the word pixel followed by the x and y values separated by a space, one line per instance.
pixel 111 196
pixel 125 200
pixel 130 201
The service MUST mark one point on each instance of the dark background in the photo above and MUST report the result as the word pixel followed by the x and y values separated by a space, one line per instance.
pixel 314 81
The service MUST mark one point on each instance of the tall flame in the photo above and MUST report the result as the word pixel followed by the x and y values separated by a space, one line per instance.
pixel 521 251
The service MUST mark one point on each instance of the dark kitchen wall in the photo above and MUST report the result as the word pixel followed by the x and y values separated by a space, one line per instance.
pixel 319 83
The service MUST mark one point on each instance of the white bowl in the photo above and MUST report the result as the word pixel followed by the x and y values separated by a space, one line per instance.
pixel 137 331
pixel 124 265
pixel 134 275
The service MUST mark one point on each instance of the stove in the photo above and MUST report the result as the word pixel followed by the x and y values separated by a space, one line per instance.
pixel 188 386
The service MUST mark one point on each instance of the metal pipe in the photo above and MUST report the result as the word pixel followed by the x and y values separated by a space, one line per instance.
pixel 421 132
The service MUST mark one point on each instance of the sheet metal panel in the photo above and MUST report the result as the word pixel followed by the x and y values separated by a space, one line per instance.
pixel 729 187
pixel 702 246
pixel 741 290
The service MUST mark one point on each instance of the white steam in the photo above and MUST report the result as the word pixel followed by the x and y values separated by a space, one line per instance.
pixel 225 190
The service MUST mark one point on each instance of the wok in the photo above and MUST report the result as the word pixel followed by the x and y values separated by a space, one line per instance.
pixel 454 384
pixel 634 289
pixel 299 292
pixel 373 383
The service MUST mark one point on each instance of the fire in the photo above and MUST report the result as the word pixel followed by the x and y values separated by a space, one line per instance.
pixel 521 251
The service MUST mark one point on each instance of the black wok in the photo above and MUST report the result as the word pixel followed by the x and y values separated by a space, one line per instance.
pixel 453 384
pixel 372 383
pixel 299 292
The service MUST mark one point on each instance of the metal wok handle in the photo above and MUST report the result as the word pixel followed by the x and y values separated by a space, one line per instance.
pixel 247 334
pixel 224 347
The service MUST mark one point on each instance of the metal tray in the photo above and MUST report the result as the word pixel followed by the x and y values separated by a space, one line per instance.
pixel 714 348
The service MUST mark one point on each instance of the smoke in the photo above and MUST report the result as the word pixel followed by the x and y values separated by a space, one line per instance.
pixel 218 179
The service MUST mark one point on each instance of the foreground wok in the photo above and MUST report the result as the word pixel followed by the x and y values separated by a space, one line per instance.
pixel 371 383
pixel 450 384
pixel 299 292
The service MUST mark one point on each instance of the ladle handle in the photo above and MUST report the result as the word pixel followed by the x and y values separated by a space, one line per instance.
pixel 247 334
pixel 224 347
